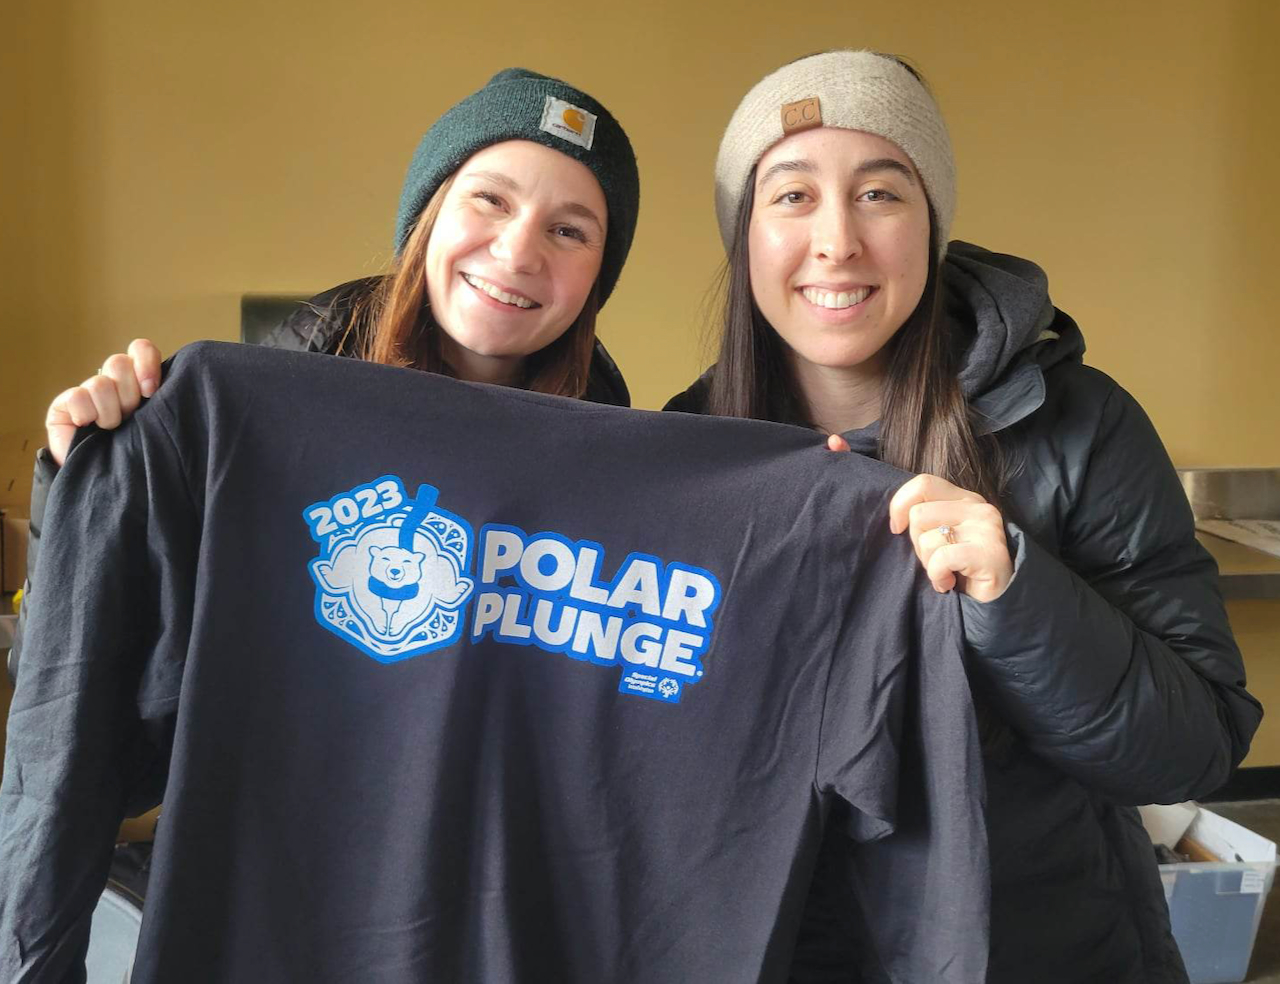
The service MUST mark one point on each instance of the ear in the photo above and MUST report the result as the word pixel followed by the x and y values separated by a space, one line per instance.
pixel 375 553
pixel 322 570
pixel 418 557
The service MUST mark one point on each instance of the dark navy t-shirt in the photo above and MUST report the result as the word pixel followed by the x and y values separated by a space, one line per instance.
pixel 450 682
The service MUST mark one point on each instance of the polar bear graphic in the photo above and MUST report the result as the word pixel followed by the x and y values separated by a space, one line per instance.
pixel 392 588
pixel 391 574
pixel 394 576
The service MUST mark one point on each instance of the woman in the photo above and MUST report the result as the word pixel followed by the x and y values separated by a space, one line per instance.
pixel 516 217
pixel 425 313
pixel 1093 622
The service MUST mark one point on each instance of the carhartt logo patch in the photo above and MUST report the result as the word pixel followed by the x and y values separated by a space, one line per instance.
pixel 802 115
pixel 568 122
pixel 574 120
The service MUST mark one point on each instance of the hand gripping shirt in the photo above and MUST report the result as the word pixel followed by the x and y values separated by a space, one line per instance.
pixel 450 682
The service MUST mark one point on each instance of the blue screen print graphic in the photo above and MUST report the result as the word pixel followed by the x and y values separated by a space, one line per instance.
pixel 651 619
pixel 394 579
pixel 391 575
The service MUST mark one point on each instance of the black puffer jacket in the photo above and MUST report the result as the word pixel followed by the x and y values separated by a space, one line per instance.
pixel 1109 655
pixel 318 325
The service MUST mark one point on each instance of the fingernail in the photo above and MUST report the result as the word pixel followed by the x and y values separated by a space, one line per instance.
pixel 148 387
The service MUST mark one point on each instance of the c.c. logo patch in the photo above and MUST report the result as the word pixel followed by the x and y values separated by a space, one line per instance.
pixel 802 115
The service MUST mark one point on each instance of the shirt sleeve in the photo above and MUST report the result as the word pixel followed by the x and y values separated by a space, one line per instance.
pixel 46 471
pixel 901 755
pixel 96 692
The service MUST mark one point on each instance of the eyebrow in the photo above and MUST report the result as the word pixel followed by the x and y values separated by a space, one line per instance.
pixel 583 212
pixel 863 169
pixel 572 208
pixel 497 177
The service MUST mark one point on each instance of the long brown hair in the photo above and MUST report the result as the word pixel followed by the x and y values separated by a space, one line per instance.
pixel 391 324
pixel 925 423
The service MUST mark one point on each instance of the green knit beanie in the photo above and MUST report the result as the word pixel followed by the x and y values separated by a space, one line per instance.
pixel 517 104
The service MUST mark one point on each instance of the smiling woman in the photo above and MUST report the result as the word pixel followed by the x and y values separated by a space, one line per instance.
pixel 504 260
pixel 1095 636
pixel 516 217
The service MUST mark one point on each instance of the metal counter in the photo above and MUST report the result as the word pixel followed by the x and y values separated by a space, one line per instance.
pixel 1244 572
pixel 1237 493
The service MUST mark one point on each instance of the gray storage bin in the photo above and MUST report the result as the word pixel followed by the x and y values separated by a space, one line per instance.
pixel 1215 907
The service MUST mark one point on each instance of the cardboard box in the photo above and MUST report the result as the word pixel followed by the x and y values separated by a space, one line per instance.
pixel 13 551
pixel 1215 906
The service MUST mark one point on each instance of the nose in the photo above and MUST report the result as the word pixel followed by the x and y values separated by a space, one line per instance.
pixel 393 572
pixel 518 244
pixel 836 235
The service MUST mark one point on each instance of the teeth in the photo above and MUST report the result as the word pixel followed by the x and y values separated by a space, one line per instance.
pixel 835 300
pixel 497 293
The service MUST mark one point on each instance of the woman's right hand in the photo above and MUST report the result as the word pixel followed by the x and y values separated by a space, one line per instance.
pixel 105 399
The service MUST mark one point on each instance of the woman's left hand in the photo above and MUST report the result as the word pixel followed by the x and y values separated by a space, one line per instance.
pixel 958 535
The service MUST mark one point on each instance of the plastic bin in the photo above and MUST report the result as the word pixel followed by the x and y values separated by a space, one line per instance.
pixel 1215 907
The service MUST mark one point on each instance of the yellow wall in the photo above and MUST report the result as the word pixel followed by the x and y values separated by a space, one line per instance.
pixel 1257 628
pixel 160 159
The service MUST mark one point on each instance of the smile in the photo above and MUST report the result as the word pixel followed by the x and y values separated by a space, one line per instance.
pixel 498 294
pixel 836 300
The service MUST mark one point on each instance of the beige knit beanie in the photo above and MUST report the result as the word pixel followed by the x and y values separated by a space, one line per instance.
pixel 852 90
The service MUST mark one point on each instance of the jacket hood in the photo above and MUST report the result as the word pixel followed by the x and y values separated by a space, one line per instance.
pixel 1002 302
